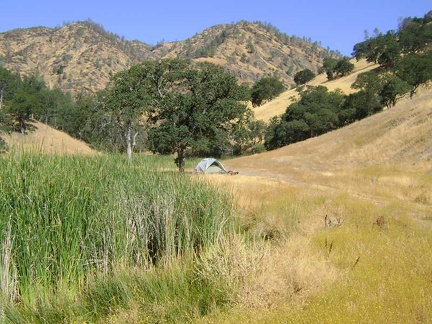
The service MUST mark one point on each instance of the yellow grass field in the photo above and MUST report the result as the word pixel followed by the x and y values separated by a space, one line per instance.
pixel 350 215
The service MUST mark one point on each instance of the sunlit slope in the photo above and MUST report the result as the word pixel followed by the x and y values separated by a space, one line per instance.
pixel 47 140
pixel 279 105
pixel 400 135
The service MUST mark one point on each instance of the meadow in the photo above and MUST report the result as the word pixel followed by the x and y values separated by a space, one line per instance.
pixel 336 256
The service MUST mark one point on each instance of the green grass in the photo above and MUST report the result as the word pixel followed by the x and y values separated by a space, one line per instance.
pixel 69 224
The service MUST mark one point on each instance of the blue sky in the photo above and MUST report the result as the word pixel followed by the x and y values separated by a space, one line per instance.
pixel 338 25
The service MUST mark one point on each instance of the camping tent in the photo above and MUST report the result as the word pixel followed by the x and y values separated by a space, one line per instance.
pixel 210 165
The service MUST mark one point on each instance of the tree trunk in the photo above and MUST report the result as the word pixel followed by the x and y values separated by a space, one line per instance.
pixel 134 140
pixel 181 159
pixel 129 141
pixel 1 97
pixel 22 125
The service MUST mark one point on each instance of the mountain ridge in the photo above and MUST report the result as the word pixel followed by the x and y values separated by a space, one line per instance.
pixel 82 56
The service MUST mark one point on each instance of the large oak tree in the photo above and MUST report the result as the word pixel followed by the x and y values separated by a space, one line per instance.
pixel 198 107
pixel 187 105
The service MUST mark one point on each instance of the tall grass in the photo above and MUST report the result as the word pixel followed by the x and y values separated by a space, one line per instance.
pixel 66 219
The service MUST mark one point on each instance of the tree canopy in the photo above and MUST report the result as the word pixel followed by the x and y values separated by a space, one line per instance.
pixel 303 76
pixel 335 68
pixel 197 108
pixel 412 37
pixel 266 88
pixel 315 113
pixel 129 97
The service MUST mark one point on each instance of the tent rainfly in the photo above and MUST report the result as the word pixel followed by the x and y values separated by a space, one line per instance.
pixel 210 165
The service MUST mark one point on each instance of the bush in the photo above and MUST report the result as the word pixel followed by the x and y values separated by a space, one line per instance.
pixel 266 88
pixel 303 76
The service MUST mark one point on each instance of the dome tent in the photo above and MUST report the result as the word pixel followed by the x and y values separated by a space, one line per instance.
pixel 210 165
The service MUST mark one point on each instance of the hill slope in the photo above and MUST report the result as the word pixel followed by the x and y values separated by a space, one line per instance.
pixel 278 106
pixel 76 57
pixel 45 139
pixel 82 56
pixel 401 135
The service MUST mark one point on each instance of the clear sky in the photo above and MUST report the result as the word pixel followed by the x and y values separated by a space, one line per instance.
pixel 338 25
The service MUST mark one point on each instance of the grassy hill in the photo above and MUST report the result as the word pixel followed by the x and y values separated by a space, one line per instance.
pixel 45 139
pixel 366 142
pixel 278 106
pixel 399 135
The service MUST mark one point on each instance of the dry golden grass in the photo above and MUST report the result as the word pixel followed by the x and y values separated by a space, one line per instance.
pixel 371 263
pixel 400 135
pixel 48 140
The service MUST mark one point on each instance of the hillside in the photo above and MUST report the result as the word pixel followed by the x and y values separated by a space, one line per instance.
pixel 76 57
pixel 83 55
pixel 249 51
pixel 401 135
pixel 398 135
pixel 45 139
pixel 278 106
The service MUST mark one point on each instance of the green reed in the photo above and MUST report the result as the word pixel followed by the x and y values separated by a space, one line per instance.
pixel 66 218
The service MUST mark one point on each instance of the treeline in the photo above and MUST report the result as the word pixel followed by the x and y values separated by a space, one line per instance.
pixel 23 99
pixel 405 62
pixel 168 106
